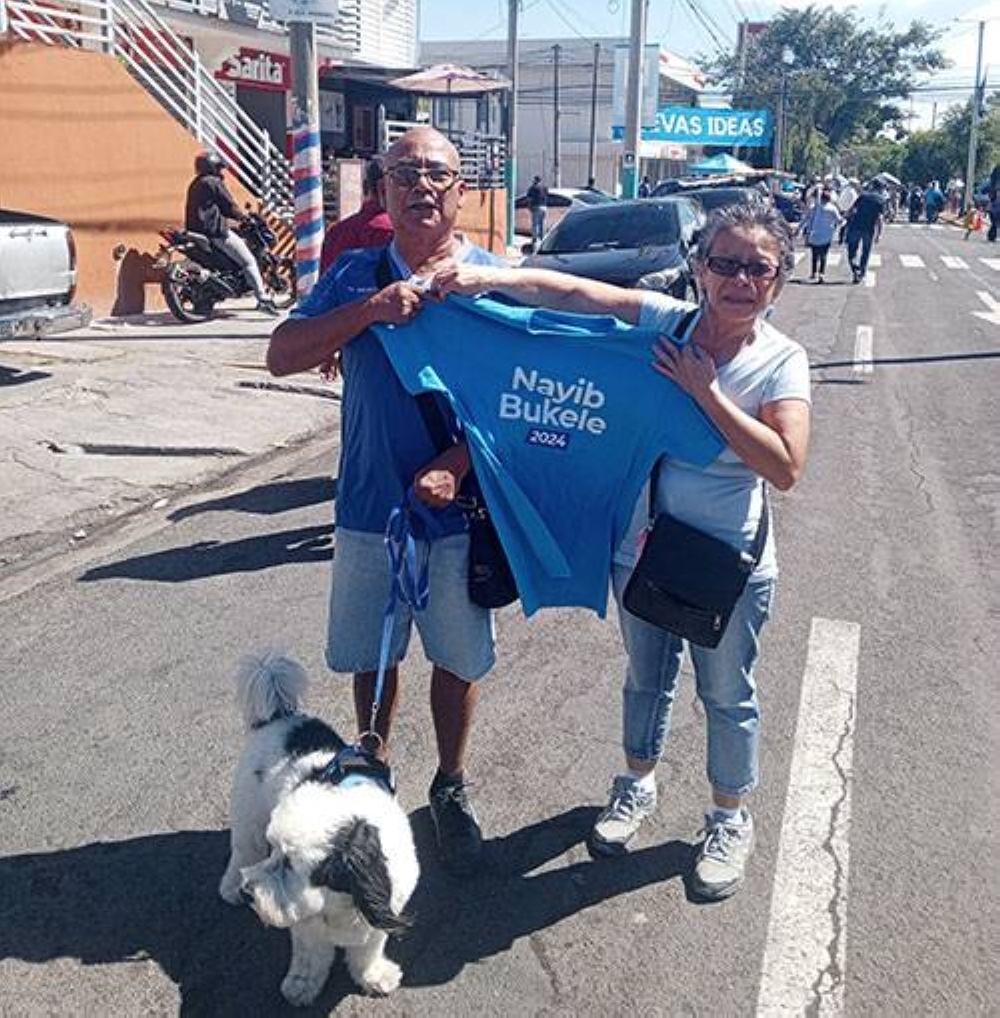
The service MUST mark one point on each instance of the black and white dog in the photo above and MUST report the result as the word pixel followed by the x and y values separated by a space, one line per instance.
pixel 320 845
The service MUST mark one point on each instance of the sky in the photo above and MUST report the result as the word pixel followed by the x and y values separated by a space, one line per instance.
pixel 673 24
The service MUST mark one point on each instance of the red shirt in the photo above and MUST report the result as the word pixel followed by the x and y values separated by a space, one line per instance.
pixel 369 227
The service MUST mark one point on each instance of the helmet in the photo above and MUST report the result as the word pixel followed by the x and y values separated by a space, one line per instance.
pixel 208 163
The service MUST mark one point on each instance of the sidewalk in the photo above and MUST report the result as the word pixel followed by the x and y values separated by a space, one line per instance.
pixel 99 423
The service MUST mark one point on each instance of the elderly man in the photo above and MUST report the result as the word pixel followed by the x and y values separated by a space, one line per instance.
pixel 385 448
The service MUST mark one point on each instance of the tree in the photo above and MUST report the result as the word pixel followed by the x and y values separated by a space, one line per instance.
pixel 843 82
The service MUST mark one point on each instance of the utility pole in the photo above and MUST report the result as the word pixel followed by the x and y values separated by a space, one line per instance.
pixel 592 152
pixel 977 99
pixel 511 164
pixel 556 125
pixel 307 161
pixel 633 101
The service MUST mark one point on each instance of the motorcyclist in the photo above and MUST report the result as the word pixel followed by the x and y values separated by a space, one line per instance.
pixel 209 205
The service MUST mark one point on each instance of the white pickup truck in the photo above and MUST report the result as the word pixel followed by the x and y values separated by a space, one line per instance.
pixel 37 277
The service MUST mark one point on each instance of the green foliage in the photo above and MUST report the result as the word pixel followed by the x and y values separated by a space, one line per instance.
pixel 863 159
pixel 844 83
pixel 944 152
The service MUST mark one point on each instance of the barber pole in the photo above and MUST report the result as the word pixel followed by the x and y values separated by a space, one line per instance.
pixel 308 173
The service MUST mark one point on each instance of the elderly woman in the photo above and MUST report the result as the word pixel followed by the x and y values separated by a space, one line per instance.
pixel 753 383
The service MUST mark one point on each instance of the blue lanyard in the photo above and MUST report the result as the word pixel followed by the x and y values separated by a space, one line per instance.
pixel 409 567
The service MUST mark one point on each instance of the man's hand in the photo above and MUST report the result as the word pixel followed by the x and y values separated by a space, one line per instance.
pixel 437 483
pixel 396 304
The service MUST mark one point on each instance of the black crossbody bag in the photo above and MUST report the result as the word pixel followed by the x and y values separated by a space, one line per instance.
pixel 491 580
pixel 687 581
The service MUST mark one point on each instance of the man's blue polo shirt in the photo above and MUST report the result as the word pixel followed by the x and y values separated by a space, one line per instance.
pixel 565 417
pixel 384 440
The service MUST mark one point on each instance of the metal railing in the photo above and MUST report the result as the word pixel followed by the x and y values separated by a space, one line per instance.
pixel 483 157
pixel 172 72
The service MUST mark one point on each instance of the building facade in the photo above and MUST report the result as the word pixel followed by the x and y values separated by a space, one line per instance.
pixel 553 140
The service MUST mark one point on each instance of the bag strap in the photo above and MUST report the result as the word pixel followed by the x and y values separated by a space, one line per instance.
pixel 430 409
pixel 760 538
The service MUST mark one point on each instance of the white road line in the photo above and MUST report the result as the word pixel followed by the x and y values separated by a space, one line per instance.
pixel 864 344
pixel 911 261
pixel 833 259
pixel 936 226
pixel 869 279
pixel 993 263
pixel 806 950
pixel 799 255
pixel 954 262
pixel 875 262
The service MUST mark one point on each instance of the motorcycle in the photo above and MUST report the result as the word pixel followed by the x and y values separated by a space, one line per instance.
pixel 197 275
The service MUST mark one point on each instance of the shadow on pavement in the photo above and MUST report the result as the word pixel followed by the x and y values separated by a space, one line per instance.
pixel 267 499
pixel 216 558
pixel 154 897
pixel 460 922
pixel 15 376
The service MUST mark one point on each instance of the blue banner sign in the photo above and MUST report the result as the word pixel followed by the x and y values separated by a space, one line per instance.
pixel 692 125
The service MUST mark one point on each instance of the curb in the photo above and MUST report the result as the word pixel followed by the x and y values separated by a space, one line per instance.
pixel 45 563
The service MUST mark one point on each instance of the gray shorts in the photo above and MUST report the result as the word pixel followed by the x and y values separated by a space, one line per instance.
pixel 457 635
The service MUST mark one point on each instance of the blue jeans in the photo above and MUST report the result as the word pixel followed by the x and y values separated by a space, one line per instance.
pixel 537 223
pixel 725 681
pixel 864 238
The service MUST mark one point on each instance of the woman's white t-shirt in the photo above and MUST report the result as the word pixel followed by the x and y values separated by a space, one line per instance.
pixel 725 498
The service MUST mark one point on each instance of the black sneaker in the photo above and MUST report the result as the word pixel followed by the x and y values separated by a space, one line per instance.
pixel 459 838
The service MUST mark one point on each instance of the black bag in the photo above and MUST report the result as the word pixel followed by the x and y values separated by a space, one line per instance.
pixel 687 581
pixel 491 581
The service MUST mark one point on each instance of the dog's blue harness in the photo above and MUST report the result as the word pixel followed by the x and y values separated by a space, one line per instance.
pixel 354 765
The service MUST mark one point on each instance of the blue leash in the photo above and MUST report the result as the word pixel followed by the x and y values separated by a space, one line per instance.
pixel 410 522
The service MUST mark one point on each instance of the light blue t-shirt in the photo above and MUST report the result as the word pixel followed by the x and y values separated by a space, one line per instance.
pixel 565 418
pixel 384 440
pixel 725 497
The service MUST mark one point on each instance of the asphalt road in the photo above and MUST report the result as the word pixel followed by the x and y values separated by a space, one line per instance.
pixel 874 886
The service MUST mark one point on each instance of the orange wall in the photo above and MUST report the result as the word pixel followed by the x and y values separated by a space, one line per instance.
pixel 81 141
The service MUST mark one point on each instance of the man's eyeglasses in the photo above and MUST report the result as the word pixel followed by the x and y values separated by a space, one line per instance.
pixel 731 267
pixel 439 177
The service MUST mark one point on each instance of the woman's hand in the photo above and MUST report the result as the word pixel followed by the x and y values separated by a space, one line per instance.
pixel 467 280
pixel 688 366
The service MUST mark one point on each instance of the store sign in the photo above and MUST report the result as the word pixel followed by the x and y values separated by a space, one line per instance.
pixel 321 11
pixel 255 68
pixel 691 125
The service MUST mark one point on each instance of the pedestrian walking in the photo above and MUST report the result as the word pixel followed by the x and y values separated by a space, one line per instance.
pixel 933 202
pixel 538 201
pixel 385 449
pixel 991 234
pixel 645 187
pixel 753 383
pixel 864 227
pixel 819 227
pixel 368 227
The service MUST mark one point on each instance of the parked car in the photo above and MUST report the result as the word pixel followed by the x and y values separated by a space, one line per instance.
pixel 712 197
pixel 37 277
pixel 561 200
pixel 644 243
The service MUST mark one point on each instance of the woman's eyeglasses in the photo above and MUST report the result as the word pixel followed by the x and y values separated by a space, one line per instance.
pixel 439 177
pixel 731 267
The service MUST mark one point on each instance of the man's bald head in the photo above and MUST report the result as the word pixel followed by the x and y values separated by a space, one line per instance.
pixel 423 144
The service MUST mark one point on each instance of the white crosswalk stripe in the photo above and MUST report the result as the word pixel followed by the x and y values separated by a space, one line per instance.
pixel 911 261
pixel 954 262
pixel 869 280
pixel 833 259
pixel 805 953
pixel 875 261
pixel 991 263
pixel 799 255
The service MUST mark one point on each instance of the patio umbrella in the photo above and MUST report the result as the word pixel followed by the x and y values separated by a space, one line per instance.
pixel 722 163
pixel 449 80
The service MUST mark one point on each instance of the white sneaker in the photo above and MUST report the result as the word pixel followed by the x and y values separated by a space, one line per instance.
pixel 722 857
pixel 629 805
